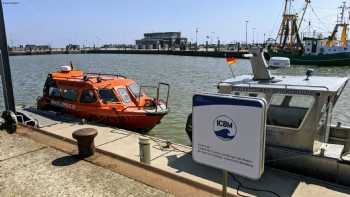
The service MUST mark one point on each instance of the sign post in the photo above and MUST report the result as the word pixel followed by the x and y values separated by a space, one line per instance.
pixel 229 134
pixel 224 183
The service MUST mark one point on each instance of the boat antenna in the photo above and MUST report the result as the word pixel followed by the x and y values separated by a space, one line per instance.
pixel 71 65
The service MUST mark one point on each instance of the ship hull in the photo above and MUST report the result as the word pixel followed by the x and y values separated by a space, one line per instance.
pixel 338 59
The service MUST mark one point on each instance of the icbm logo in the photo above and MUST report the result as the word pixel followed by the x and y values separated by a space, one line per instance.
pixel 224 128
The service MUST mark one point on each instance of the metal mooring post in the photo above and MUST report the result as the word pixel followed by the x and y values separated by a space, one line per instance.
pixel 145 150
pixel 224 183
pixel 5 67
pixel 85 139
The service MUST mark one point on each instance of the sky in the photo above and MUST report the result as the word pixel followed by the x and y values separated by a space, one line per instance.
pixel 88 22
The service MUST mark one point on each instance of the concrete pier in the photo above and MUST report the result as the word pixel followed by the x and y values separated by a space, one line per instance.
pixel 171 168
pixel 29 168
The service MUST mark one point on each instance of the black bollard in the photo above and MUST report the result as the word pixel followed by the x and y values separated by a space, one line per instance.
pixel 85 138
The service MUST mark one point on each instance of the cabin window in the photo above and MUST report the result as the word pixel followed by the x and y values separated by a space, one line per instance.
pixel 88 96
pixel 70 94
pixel 135 89
pixel 54 92
pixel 288 110
pixel 124 94
pixel 107 95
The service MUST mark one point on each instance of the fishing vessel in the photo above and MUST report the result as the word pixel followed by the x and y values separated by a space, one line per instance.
pixel 312 50
pixel 299 135
pixel 104 98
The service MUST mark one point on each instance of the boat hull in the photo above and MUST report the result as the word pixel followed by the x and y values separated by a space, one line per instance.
pixel 339 59
pixel 134 119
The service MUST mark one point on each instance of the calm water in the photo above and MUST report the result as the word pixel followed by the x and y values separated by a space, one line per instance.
pixel 187 75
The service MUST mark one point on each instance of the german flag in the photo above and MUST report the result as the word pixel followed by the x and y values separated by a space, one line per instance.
pixel 231 60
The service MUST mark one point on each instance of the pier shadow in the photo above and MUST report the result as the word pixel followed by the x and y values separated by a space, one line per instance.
pixel 66 161
pixel 277 181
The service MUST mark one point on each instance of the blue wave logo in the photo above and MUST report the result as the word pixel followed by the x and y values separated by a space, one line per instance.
pixel 224 128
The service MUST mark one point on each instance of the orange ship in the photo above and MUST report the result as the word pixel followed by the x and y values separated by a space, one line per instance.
pixel 104 98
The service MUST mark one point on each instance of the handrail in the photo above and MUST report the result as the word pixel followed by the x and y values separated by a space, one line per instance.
pixel 103 74
pixel 158 93
pixel 168 92
pixel 285 85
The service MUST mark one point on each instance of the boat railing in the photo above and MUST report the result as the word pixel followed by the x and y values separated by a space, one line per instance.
pixel 158 87
pixel 284 86
pixel 103 74
pixel 168 92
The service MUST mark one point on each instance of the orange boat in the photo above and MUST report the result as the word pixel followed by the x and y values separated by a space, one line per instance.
pixel 104 98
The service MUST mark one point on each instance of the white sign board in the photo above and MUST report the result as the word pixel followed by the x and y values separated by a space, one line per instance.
pixel 228 133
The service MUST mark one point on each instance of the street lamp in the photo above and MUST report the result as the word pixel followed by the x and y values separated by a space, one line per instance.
pixel 196 38
pixel 246 32
pixel 254 34
pixel 212 37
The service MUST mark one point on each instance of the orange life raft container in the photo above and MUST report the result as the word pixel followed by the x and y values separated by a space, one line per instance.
pixel 104 98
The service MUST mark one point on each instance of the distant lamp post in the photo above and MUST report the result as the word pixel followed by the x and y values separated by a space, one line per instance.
pixel 254 35
pixel 212 37
pixel 206 43
pixel 246 32
pixel 218 45
pixel 196 38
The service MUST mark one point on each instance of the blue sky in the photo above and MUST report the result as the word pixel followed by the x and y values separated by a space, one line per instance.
pixel 58 22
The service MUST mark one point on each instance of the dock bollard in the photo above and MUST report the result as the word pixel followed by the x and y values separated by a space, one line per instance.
pixel 145 150
pixel 85 138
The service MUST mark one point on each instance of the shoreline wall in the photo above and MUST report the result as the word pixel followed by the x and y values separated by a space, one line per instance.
pixel 218 54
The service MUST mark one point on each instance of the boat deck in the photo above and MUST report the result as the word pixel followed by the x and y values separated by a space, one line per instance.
pixel 177 160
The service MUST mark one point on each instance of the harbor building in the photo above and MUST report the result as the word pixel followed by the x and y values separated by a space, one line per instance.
pixel 30 47
pixel 73 47
pixel 162 40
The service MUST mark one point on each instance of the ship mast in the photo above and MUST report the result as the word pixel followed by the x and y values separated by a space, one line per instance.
pixel 288 36
pixel 343 23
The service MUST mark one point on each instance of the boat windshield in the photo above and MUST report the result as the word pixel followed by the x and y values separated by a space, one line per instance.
pixel 288 110
pixel 124 95
pixel 135 90
pixel 107 95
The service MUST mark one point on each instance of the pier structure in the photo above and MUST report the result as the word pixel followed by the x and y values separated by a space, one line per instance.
pixel 29 169
pixel 171 167
pixel 199 53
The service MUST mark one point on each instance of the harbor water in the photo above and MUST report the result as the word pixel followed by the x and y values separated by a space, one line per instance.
pixel 187 76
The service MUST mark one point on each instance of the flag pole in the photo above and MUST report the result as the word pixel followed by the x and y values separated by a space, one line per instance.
pixel 233 75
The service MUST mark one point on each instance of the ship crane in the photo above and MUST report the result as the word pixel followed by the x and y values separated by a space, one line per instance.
pixel 288 36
